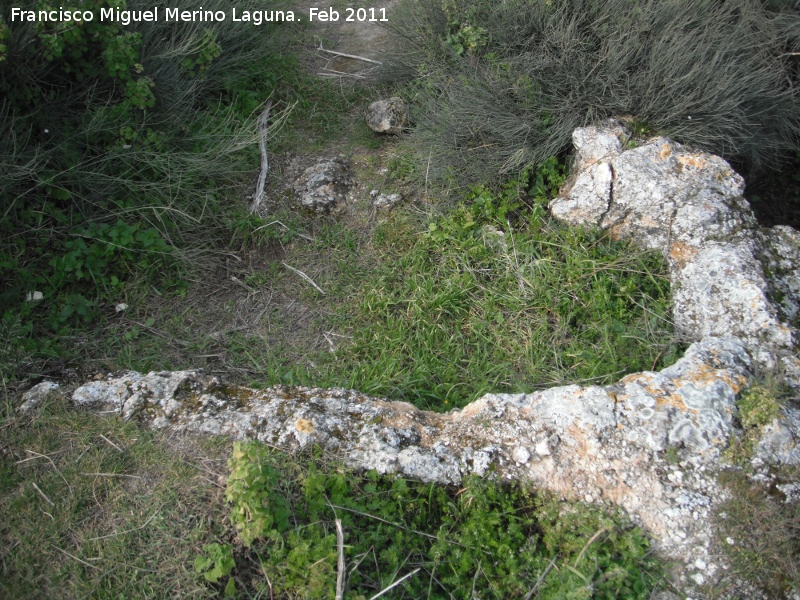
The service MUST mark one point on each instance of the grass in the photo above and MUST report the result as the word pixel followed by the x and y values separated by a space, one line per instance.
pixel 99 508
pixel 436 310
pixel 760 532
pixel 499 85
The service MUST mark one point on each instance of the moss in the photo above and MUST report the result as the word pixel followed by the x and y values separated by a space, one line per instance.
pixel 758 406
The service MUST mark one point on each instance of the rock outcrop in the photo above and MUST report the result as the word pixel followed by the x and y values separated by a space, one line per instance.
pixel 725 271
pixel 735 294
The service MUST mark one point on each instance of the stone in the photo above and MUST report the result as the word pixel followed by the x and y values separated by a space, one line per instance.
pixel 521 455
pixel 725 270
pixel 322 187
pixel 388 116
pixel 386 202
pixel 598 442
pixel 36 395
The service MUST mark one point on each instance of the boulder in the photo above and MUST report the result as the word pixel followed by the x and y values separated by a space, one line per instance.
pixel 388 116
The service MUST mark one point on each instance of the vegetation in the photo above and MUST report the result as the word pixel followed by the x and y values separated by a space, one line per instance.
pixel 500 85
pixel 127 157
pixel 760 532
pixel 99 508
pixel 484 539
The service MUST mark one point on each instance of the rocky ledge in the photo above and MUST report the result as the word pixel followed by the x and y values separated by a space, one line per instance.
pixel 735 289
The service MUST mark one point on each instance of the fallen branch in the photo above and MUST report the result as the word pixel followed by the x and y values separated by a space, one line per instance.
pixel 353 56
pixel 340 562
pixel 263 130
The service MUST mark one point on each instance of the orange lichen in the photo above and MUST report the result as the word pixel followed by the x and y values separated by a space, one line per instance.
pixel 681 253
pixel 304 426
pixel 666 151
pixel 697 162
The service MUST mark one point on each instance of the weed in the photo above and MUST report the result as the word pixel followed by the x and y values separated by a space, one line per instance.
pixel 493 98
pixel 485 539
pixel 97 507
pixel 757 406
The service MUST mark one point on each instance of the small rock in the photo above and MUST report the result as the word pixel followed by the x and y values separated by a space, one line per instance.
pixel 542 448
pixel 36 395
pixel 387 116
pixel 382 201
pixel 34 296
pixel 323 186
pixel 521 455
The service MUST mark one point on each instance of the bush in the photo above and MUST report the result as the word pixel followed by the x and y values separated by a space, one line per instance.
pixel 502 85
pixel 116 143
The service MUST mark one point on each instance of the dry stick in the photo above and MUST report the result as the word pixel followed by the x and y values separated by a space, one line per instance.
pixel 305 237
pixel 334 73
pixel 422 533
pixel 76 558
pixel 340 562
pixel 304 276
pixel 354 56
pixel 263 129
pixel 146 523
pixel 395 584
pixel 600 532
pixel 42 494
pixel 110 442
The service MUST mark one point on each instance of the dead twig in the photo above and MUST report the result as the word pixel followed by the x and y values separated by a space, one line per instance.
pixel 353 56
pixel 42 494
pixel 37 455
pixel 263 130
pixel 112 475
pixel 146 523
pixel 110 442
pixel 305 237
pixel 600 532
pixel 83 562
pixel 304 276
pixel 340 562
pixel 539 581
pixel 395 584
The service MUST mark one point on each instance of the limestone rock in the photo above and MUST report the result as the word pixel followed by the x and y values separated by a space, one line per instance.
pixel 729 277
pixel 36 395
pixel 387 116
pixel 323 186
pixel 603 442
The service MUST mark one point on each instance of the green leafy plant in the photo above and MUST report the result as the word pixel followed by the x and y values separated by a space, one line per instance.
pixel 258 510
pixel 757 407
pixel 485 539
pixel 217 562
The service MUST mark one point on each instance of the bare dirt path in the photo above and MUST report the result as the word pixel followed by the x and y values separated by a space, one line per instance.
pixel 367 38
